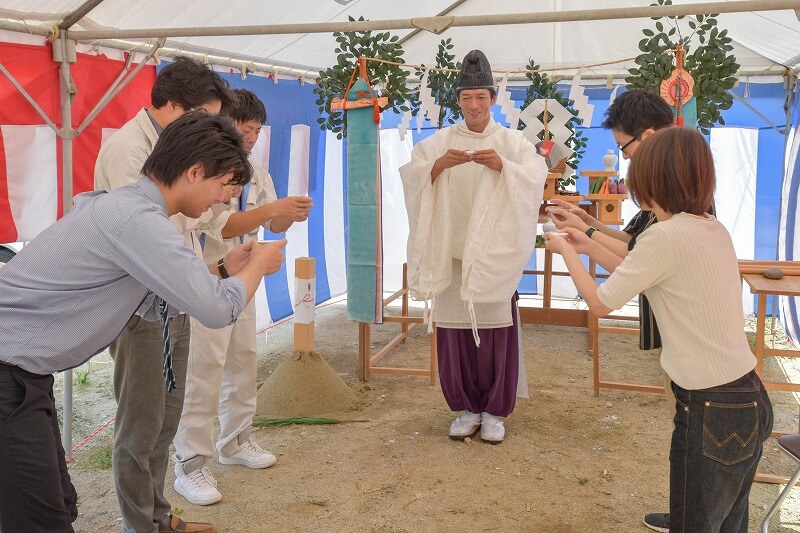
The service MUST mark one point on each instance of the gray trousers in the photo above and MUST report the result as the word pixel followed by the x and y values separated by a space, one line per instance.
pixel 147 418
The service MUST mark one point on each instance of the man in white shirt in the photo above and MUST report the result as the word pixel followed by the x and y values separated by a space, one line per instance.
pixel 141 440
pixel 221 378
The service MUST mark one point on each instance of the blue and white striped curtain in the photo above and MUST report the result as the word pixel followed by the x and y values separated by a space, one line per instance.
pixel 789 240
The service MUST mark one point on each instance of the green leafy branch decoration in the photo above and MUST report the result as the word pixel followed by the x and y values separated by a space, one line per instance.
pixel 442 84
pixel 389 79
pixel 709 62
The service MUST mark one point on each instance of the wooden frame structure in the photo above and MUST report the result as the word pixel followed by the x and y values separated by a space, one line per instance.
pixel 762 287
pixel 759 286
pixel 367 362
pixel 594 333
pixel 581 317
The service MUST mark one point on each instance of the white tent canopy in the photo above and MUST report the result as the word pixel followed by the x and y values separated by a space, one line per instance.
pixel 765 41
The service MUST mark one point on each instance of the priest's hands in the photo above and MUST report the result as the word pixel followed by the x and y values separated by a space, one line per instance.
pixel 488 158
pixel 453 157
pixel 450 159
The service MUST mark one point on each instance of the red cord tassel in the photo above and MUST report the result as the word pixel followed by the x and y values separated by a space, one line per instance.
pixel 376 112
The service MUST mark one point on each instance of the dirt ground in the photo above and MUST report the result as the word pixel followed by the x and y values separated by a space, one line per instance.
pixel 570 461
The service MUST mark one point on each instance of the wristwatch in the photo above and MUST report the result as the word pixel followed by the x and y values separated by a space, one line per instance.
pixel 590 231
pixel 223 273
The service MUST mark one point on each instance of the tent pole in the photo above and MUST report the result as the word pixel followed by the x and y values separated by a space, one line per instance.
pixel 28 97
pixel 78 14
pixel 756 112
pixel 784 176
pixel 443 12
pixel 445 22
pixel 297 71
pixel 118 85
pixel 66 134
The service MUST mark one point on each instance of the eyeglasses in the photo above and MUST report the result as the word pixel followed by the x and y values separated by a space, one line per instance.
pixel 624 146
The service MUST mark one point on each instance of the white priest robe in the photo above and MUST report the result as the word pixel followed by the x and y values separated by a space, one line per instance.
pixel 472 231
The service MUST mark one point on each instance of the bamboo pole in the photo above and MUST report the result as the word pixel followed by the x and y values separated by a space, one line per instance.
pixel 447 21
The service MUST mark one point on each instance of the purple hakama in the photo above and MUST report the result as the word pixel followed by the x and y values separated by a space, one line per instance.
pixel 480 378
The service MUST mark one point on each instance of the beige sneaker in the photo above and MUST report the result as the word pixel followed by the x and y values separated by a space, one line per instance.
pixel 250 455
pixel 465 426
pixel 198 486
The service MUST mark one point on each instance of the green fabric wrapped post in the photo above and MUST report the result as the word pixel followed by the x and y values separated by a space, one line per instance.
pixel 364 242
pixel 689 112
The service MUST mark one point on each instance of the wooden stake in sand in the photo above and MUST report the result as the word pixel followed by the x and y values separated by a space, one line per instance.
pixel 304 384
pixel 305 292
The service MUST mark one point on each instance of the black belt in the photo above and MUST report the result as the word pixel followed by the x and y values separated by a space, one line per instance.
pixel 7 364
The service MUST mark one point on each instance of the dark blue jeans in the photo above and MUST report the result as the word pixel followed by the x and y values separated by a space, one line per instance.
pixel 716 445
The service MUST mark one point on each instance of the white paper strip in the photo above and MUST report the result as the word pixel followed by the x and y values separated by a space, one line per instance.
pixel 580 102
pixel 613 95
pixel 405 122
pixel 559 132
pixel 506 104
pixel 305 294
pixel 428 107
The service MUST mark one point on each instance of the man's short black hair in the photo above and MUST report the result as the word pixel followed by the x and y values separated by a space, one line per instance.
pixel 197 137
pixel 637 110
pixel 247 107
pixel 190 84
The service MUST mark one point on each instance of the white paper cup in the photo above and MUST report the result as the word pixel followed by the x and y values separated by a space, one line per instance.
pixel 549 227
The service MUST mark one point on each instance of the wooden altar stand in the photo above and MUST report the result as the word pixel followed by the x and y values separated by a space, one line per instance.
pixel 367 362
pixel 762 287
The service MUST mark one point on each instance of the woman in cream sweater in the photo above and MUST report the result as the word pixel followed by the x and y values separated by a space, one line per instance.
pixel 686 266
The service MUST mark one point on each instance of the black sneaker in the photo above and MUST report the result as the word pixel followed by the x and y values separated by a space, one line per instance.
pixel 657 522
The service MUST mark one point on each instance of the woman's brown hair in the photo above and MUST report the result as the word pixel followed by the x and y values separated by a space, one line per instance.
pixel 674 169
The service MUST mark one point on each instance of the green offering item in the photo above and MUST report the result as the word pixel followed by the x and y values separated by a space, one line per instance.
pixel 310 420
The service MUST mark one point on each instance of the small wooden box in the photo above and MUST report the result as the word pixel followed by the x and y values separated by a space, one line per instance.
pixel 609 207
pixel 550 185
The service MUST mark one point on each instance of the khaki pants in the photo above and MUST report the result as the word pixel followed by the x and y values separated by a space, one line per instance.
pixel 147 418
pixel 221 381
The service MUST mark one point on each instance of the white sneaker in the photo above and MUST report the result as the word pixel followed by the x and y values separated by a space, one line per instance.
pixel 197 486
pixel 492 429
pixel 250 455
pixel 465 426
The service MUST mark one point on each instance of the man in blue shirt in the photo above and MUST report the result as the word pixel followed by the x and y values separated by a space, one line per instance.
pixel 118 255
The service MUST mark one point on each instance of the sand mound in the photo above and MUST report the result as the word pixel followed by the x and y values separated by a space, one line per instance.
pixel 303 385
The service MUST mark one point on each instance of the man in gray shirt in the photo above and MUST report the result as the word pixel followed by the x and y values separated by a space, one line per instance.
pixel 70 292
